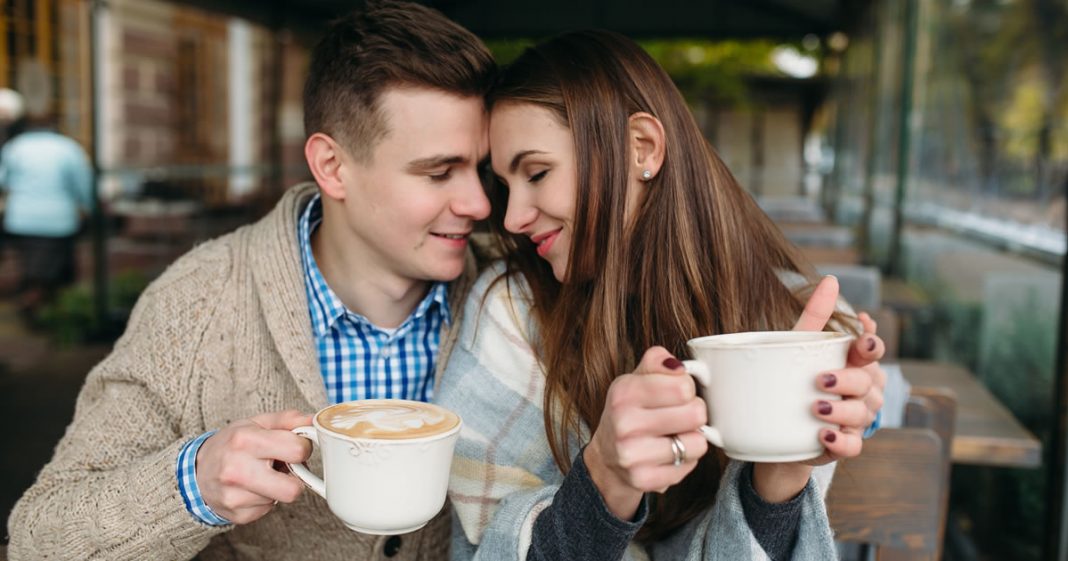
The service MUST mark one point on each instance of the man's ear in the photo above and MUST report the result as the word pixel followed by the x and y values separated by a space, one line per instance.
pixel 646 135
pixel 325 159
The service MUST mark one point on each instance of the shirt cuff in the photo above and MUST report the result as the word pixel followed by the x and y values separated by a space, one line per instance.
pixel 186 472
pixel 874 426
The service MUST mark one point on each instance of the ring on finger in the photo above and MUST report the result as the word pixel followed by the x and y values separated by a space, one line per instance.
pixel 678 450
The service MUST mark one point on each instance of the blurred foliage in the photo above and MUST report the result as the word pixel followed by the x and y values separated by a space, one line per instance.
pixel 1010 58
pixel 71 318
pixel 714 69
pixel 702 69
pixel 505 51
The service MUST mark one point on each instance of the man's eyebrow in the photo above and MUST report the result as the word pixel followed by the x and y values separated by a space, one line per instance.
pixel 518 158
pixel 434 162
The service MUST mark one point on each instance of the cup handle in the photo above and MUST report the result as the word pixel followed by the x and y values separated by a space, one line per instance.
pixel 312 481
pixel 699 371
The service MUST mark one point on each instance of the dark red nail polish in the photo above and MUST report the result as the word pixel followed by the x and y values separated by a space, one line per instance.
pixel 823 407
pixel 829 437
pixel 829 380
pixel 871 344
pixel 672 363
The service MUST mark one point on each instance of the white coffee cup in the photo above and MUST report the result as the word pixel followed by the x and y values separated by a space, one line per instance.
pixel 382 484
pixel 760 388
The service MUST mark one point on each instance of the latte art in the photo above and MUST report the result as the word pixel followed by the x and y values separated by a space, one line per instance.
pixel 387 419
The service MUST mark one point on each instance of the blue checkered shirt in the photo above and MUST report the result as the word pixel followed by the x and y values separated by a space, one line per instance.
pixel 358 360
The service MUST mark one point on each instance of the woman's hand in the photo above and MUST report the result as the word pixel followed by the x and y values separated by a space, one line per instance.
pixel 860 385
pixel 632 451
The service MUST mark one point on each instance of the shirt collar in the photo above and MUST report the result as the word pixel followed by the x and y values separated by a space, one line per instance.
pixel 326 307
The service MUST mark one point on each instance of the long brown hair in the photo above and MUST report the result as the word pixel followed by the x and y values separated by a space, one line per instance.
pixel 698 257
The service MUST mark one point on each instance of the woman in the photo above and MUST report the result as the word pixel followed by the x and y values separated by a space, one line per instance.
pixel 623 231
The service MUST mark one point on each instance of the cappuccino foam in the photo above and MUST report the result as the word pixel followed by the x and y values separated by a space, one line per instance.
pixel 387 419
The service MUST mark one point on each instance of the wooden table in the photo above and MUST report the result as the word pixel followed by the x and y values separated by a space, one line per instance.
pixel 986 433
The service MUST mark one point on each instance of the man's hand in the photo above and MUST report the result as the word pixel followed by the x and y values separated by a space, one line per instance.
pixel 234 466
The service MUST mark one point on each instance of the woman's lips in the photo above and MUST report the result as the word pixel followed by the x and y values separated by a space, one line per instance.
pixel 545 242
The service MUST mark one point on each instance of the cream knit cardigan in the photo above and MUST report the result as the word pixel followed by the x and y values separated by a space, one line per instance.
pixel 223 334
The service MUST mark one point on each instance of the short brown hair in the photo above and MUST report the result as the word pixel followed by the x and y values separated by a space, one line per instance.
pixel 387 44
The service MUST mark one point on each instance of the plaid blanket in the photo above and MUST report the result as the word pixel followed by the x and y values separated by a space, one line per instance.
pixel 503 474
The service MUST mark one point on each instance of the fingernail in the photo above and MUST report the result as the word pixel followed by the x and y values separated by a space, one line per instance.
pixel 871 344
pixel 829 436
pixel 829 380
pixel 672 363
pixel 823 407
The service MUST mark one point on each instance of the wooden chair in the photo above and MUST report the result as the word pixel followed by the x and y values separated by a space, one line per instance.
pixel 936 409
pixel 894 495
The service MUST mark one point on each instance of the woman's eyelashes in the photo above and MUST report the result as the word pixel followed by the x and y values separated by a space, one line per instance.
pixel 535 178
pixel 440 177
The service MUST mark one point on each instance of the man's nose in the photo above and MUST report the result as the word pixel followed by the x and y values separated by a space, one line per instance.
pixel 471 202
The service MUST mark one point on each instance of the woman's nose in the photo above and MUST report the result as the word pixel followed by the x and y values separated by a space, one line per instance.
pixel 520 215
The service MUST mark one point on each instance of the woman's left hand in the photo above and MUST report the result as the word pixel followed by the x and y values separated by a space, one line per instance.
pixel 860 385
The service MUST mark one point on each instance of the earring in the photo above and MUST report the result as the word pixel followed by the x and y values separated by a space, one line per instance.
pixel 646 175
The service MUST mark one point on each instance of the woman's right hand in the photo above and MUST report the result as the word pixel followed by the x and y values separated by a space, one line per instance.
pixel 631 451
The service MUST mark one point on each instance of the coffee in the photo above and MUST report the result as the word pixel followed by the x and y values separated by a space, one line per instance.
pixel 386 462
pixel 387 419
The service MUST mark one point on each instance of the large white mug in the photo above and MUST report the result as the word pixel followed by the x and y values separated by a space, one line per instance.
pixel 385 462
pixel 760 388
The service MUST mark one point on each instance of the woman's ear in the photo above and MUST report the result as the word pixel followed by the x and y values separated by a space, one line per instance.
pixel 324 156
pixel 646 134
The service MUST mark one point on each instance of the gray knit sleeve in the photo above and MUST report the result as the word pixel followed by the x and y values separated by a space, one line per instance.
pixel 775 525
pixel 578 525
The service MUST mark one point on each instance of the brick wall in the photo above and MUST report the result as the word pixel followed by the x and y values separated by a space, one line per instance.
pixel 169 92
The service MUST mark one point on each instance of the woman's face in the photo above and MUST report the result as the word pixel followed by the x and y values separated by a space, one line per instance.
pixel 534 156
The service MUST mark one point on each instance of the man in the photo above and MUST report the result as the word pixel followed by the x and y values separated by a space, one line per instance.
pixel 48 181
pixel 311 305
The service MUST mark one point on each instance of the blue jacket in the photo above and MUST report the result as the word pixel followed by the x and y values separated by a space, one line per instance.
pixel 48 180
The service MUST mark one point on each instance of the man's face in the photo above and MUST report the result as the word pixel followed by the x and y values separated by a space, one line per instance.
pixel 412 206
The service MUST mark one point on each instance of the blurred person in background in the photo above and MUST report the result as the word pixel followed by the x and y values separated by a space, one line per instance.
pixel 47 180
pixel 12 111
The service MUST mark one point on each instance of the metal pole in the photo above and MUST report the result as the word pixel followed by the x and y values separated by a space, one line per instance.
pixel 904 133
pixel 100 272
pixel 871 143
pixel 277 75
pixel 1056 540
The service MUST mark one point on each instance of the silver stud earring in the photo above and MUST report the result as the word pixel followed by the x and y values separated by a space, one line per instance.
pixel 646 175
